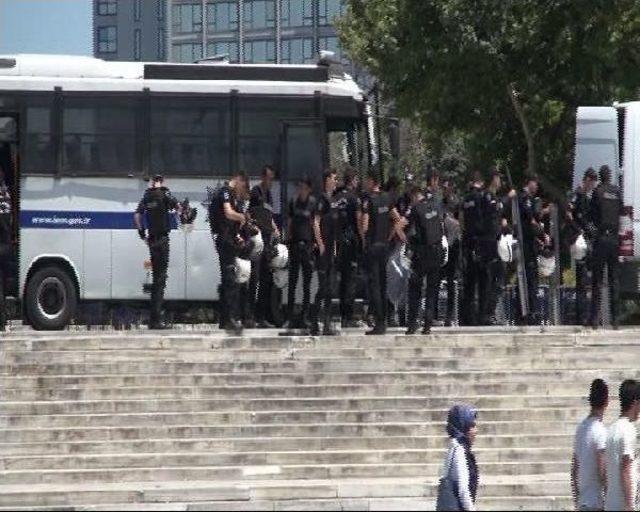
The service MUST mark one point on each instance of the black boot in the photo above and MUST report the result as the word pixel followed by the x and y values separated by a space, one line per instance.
pixel 234 327
pixel 412 329
pixel 328 329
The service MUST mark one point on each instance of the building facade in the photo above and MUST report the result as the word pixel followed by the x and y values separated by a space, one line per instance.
pixel 247 31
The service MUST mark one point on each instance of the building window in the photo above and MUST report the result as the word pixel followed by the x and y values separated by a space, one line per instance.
pixel 329 11
pixel 187 52
pixel 137 10
pixel 222 17
pixel 259 52
pixel 187 18
pixel 331 44
pixel 98 136
pixel 137 44
pixel 162 45
pixel 297 13
pixel 259 14
pixel 229 48
pixel 161 9
pixel 190 137
pixel 107 39
pixel 297 51
pixel 39 153
pixel 107 7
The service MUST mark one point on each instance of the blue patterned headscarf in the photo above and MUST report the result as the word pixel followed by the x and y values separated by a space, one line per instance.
pixel 461 418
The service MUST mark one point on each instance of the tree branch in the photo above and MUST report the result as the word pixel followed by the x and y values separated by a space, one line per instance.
pixel 517 106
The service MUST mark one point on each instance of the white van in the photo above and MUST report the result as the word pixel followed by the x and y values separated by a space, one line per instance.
pixel 611 136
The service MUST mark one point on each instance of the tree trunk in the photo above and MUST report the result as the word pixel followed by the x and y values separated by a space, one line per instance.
pixel 531 150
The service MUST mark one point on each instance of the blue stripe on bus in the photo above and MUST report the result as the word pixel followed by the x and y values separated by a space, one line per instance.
pixel 79 220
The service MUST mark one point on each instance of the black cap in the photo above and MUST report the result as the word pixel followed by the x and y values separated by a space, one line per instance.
pixel 158 177
pixel 590 174
pixel 605 173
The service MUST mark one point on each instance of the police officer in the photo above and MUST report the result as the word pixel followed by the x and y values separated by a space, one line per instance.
pixel 453 232
pixel 426 229
pixel 261 211
pixel 326 225
pixel 606 208
pixel 378 215
pixel 300 235
pixel 347 240
pixel 579 218
pixel 152 219
pixel 226 220
pixel 6 247
pixel 534 240
pixel 475 277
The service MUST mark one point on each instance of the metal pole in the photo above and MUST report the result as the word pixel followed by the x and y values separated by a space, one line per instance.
pixel 376 95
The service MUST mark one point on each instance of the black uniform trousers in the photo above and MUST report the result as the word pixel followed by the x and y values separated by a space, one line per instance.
pixel 450 273
pixel 325 269
pixel 605 253
pixel 475 280
pixel 583 312
pixel 300 258
pixel 260 284
pixel 159 251
pixel 376 260
pixel 347 266
pixel 497 276
pixel 424 265
pixel 5 260
pixel 230 289
pixel 531 272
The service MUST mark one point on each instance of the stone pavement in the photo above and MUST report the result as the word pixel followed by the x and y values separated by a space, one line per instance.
pixel 192 419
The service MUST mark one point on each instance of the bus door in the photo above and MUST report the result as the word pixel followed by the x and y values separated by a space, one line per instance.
pixel 303 153
pixel 9 139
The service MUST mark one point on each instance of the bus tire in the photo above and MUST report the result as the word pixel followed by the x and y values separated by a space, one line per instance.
pixel 51 299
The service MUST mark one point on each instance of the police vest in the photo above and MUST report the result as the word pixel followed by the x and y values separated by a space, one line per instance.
pixel 610 203
pixel 429 214
pixel 347 205
pixel 261 209
pixel 156 208
pixel 474 211
pixel 301 215
pixel 379 210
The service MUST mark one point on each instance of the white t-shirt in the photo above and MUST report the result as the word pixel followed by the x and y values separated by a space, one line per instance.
pixel 591 437
pixel 621 441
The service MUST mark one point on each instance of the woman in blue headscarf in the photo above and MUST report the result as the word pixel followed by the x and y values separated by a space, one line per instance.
pixel 460 462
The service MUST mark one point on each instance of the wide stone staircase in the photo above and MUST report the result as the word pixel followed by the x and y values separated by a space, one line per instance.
pixel 196 420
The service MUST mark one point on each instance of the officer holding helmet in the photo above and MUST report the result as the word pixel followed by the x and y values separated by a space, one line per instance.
pixel 152 219
pixel 606 208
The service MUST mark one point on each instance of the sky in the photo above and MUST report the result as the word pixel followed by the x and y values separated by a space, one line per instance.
pixel 46 26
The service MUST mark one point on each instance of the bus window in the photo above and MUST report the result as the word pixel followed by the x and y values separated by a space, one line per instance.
pixel 99 136
pixel 260 122
pixel 39 149
pixel 190 138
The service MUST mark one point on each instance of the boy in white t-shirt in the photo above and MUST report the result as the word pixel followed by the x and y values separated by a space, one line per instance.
pixel 588 475
pixel 622 473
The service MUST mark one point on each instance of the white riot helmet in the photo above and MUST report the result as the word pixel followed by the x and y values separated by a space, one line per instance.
pixel 281 258
pixel 506 246
pixel 243 271
pixel 281 278
pixel 579 249
pixel 257 246
pixel 445 250
pixel 546 264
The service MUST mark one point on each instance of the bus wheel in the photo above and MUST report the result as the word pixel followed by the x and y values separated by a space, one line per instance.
pixel 51 299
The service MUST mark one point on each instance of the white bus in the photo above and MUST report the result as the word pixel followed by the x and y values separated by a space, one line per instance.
pixel 79 138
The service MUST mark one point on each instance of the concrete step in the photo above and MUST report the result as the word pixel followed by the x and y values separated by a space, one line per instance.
pixel 217 473
pixel 244 379
pixel 41 435
pixel 367 403
pixel 239 445
pixel 235 494
pixel 352 457
pixel 552 414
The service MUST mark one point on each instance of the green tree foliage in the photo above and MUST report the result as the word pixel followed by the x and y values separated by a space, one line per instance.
pixel 508 74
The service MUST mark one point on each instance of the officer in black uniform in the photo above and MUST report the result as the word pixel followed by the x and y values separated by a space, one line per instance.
pixel 426 229
pixel 347 240
pixel 326 225
pixel 606 209
pixel 378 215
pixel 226 220
pixel 453 232
pixel 300 236
pixel 475 277
pixel 261 211
pixel 579 219
pixel 534 240
pixel 6 245
pixel 152 219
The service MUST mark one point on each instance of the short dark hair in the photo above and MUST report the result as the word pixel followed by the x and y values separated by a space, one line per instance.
pixel 374 176
pixel 266 169
pixel 239 175
pixel 590 174
pixel 528 179
pixel 629 393
pixel 327 174
pixel 605 174
pixel 599 394
pixel 432 174
pixel 349 177
pixel 305 180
